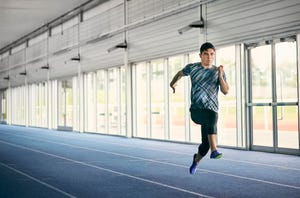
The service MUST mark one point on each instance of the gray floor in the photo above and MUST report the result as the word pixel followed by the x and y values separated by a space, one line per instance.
pixel 42 163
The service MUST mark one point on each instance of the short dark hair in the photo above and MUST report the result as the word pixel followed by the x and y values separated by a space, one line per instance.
pixel 206 46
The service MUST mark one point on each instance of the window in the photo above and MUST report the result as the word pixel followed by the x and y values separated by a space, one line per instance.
pixel 227 127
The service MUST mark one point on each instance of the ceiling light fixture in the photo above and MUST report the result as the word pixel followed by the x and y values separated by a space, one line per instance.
pixel 120 45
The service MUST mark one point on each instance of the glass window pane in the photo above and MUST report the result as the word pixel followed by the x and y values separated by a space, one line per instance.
pixel 227 103
pixel 90 103
pixel 286 84
pixel 113 101
pixel 176 101
pixel 37 106
pixel 262 126
pixel 30 105
pixel 157 99
pixel 141 100
pixel 65 94
pixel 261 67
pixel 4 106
pixel 194 57
pixel 76 101
pixel 69 103
pixel 286 71
pixel 43 103
pixel 123 101
pixel 101 101
pixel 62 104
pixel 288 129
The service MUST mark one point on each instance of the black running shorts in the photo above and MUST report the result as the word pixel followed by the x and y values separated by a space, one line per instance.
pixel 206 118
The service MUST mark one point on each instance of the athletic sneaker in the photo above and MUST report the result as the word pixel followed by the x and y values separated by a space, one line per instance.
pixel 194 165
pixel 215 155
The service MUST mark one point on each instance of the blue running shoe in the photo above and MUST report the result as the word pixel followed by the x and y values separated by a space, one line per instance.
pixel 215 155
pixel 194 165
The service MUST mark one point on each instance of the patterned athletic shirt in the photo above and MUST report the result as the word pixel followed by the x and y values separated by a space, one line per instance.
pixel 205 85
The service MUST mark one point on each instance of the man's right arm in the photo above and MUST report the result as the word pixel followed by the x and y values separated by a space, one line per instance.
pixel 175 79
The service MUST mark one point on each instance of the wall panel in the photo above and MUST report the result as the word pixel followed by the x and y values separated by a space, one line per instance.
pixel 35 73
pixel 4 63
pixel 161 38
pixel 4 83
pixel 38 38
pixel 15 78
pixel 17 59
pixel 37 50
pixel 105 21
pixel 139 10
pixel 61 64
pixel 96 56
pixel 64 40
pixel 232 21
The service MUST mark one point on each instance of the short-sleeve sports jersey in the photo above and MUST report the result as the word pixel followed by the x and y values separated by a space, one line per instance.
pixel 205 85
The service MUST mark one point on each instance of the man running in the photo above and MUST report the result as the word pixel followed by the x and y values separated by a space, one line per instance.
pixel 206 80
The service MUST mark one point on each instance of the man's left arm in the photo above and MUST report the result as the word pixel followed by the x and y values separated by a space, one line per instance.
pixel 223 84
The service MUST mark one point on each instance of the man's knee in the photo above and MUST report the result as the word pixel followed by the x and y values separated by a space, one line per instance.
pixel 211 129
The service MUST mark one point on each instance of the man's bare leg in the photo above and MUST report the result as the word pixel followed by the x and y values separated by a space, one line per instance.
pixel 212 139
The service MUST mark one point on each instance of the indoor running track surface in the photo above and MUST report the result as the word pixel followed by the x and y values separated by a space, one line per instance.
pixel 43 163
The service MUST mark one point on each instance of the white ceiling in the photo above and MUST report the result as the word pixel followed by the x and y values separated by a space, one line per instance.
pixel 21 17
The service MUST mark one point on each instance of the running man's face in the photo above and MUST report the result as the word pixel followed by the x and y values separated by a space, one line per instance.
pixel 207 57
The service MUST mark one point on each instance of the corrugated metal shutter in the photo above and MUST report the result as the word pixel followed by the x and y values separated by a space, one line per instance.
pixel 3 81
pixel 15 78
pixel 4 63
pixel 102 23
pixel 62 47
pixel 94 54
pixel 38 39
pixel 4 73
pixel 67 39
pixel 35 73
pixel 37 58
pixel 17 58
pixel 18 48
pixel 161 38
pixel 61 64
pixel 17 66
pixel 36 51
pixel 139 10
pixel 231 21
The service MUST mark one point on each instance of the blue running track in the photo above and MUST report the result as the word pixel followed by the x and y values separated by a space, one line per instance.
pixel 45 163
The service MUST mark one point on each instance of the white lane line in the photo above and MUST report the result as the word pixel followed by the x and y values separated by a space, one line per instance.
pixel 254 179
pixel 102 151
pixel 38 181
pixel 175 152
pixel 262 164
pixel 189 154
pixel 108 170
pixel 181 153
pixel 177 165
pixel 167 163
